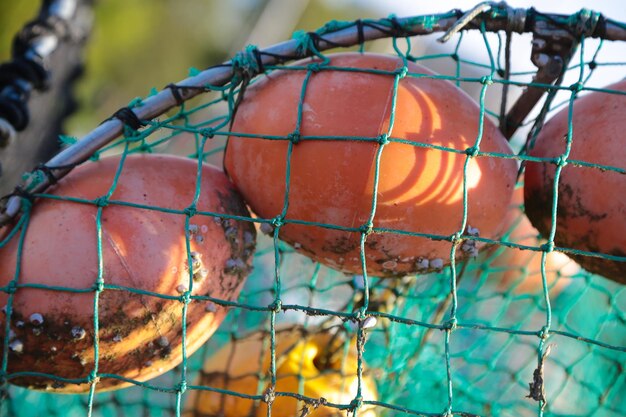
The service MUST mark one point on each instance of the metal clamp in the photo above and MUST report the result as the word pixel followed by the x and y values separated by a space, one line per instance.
pixel 552 49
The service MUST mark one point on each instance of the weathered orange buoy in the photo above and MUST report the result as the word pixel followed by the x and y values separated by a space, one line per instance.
pixel 591 209
pixel 420 189
pixel 140 335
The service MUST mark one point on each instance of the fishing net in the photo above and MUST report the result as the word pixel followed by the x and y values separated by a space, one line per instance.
pixel 483 336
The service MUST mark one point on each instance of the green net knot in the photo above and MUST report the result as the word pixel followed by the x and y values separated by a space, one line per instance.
pixel 101 201
pixel 450 325
pixel 544 333
pixel 207 132
pixel 98 286
pixel 93 377
pixel 576 87
pixel 355 404
pixel 560 161
pixel 366 228
pixel 314 67
pixel 306 42
pixel 547 247
pixel 592 65
pixel 278 221
pixel 191 211
pixel 247 62
pixel 144 148
pixel 455 57
pixel 486 80
pixel 185 297
pixel 95 157
pixel 33 179
pixel 399 30
pixel 131 134
pixel 472 151
pixel 383 139
pixel 294 137
pixel 303 40
pixel 182 387
pixel 402 72
pixel 11 287
pixel 276 306
pixel 455 238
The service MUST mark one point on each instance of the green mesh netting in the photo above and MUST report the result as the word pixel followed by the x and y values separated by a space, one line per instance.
pixel 465 341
